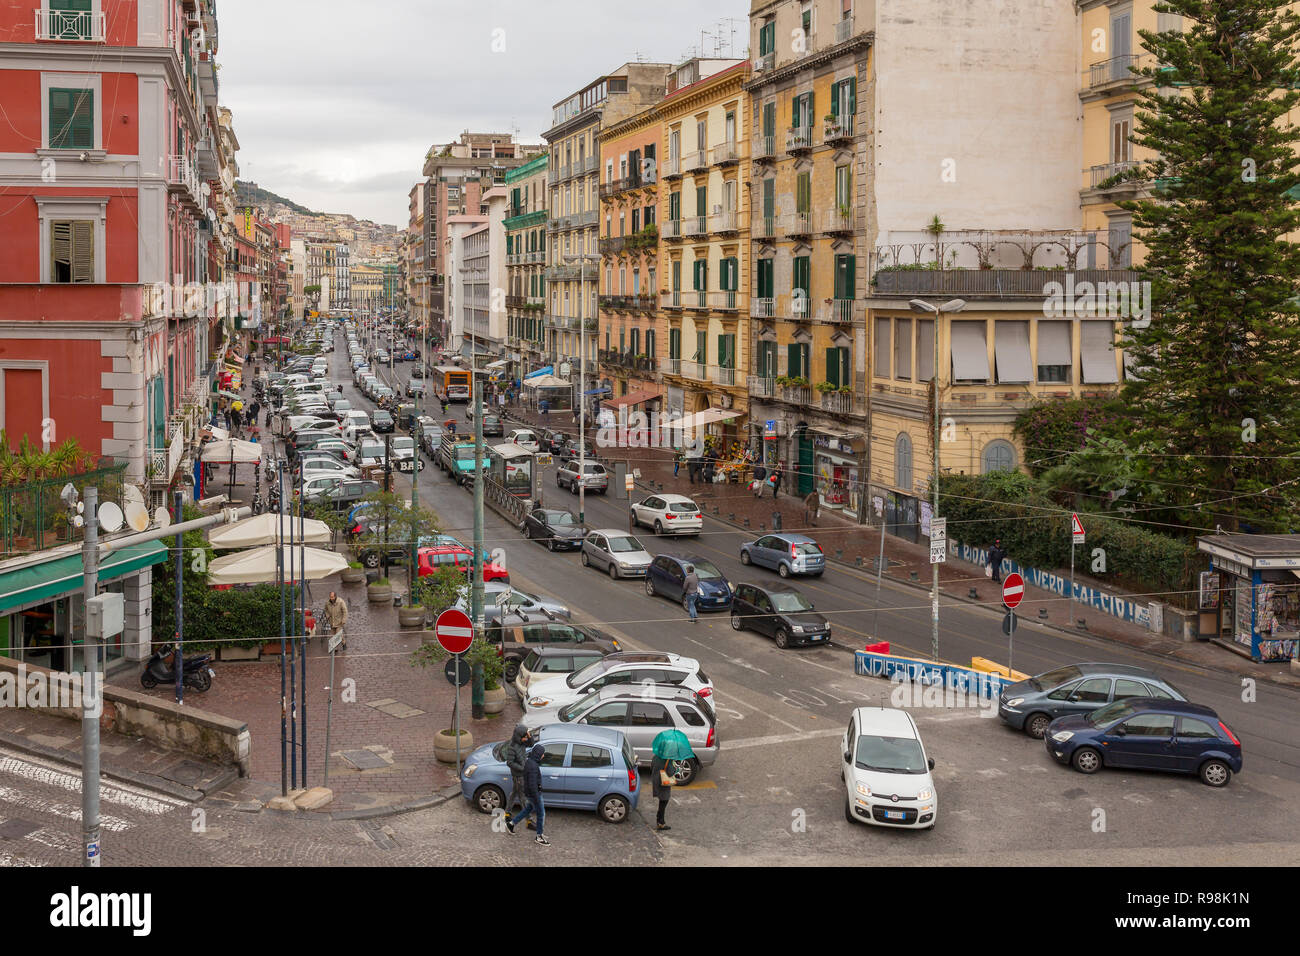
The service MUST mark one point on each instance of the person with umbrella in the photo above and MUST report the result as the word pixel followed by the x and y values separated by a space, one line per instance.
pixel 667 747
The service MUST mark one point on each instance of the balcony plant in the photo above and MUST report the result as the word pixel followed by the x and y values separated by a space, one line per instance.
pixel 825 387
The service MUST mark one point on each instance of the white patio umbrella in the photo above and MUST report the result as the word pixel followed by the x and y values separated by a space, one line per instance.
pixel 232 450
pixel 258 566
pixel 268 529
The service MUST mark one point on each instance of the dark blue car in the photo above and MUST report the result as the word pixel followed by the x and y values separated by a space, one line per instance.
pixel 1148 734
pixel 666 577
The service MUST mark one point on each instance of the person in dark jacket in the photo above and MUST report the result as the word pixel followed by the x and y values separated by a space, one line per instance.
pixel 691 591
pixel 514 754
pixel 533 792
pixel 663 792
pixel 775 480
pixel 996 556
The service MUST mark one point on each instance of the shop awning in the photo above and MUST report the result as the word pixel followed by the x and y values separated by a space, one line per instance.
pixel 61 576
pixel 500 364
pixel 636 398
pixel 546 381
pixel 598 391
pixel 706 417
pixel 541 371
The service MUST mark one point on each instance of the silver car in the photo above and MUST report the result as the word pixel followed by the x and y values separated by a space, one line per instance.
pixel 617 552
pixel 500 598
pixel 594 476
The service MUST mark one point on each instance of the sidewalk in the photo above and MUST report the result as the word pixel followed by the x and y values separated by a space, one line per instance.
pixel 858 546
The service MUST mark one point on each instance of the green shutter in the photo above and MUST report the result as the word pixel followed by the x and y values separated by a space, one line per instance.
pixel 677 276
pixel 769 198
pixel 701 200
pixel 853 95
pixel 674 206
pixel 722 351
pixel 702 348
pixel 835 98
pixel 769 119
pixel 845 268
pixel 804 192
pixel 793 355
pixel 802 273
pixel 833 367
pixel 794 112
pixel 675 343
pixel 765 273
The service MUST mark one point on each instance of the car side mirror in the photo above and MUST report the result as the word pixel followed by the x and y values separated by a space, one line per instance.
pixel 847 756
pixel 1120 731
pixel 930 762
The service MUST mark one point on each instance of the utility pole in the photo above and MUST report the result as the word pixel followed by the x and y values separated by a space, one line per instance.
pixel 90 724
pixel 476 564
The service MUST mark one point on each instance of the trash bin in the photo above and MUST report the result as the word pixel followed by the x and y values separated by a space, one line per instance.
pixel 776 521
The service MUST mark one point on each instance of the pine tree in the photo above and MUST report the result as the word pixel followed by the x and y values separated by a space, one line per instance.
pixel 1218 386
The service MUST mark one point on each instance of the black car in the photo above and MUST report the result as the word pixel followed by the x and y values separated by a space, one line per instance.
pixel 492 426
pixel 558 529
pixel 381 422
pixel 517 638
pixel 348 492
pixel 550 441
pixel 417 372
pixel 779 611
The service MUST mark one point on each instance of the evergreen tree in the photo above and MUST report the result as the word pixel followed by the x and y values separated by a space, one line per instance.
pixel 1217 397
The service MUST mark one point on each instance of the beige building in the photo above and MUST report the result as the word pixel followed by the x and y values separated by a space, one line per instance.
pixel 367 287
pixel 525 227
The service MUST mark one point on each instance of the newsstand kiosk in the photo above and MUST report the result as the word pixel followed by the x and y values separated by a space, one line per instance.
pixel 1250 598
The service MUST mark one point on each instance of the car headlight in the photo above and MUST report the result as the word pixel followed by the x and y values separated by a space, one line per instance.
pixel 798 628
pixel 925 794
pixel 469 770
pixel 1062 736
pixel 1015 702
pixel 864 790
pixel 538 701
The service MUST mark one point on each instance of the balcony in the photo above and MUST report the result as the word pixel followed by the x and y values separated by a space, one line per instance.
pixel 588 165
pixel 799 139
pixel 761 387
pixel 209 167
pixel 722 301
pixel 611 189
pixel 987 283
pixel 672 229
pixel 844 29
pixel 515 302
pixel 1116 70
pixel 697 300
pixel 764 228
pixel 75 25
pixel 762 308
pixel 837 222
pixel 799 224
pixel 613 245
pixel 837 403
pixel 696 161
pixel 672 366
pixel 765 62
pixel 725 154
pixel 184 179
pixel 722 376
pixel 628 303
pixel 795 394
pixel 838 311
pixel 534 258
pixel 695 226
pixel 723 223
pixel 694 370
pixel 764 148
pixel 838 130
pixel 1112 176
pixel 670 300
pixel 672 167
pixel 582 220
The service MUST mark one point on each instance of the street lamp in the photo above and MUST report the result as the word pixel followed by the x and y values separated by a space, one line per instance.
pixel 582 261
pixel 920 305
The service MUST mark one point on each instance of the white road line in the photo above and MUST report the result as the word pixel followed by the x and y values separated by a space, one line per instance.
pixel 732 695
pixel 6 861
pixel 739 662
pixel 37 805
pixel 778 739
pixel 126 796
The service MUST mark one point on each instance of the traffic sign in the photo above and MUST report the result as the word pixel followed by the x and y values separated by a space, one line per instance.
pixel 454 630
pixel 629 483
pixel 1076 529
pixel 1009 623
pixel 938 540
pixel 458 671
pixel 1013 590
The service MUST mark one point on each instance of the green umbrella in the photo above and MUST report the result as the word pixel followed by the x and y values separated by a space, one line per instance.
pixel 672 745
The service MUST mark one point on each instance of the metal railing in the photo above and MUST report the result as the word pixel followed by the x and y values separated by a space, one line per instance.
pixel 722 376
pixel 798 224
pixel 694 370
pixel 764 227
pixel 838 310
pixel 1099 174
pixel 672 229
pixel 839 128
pixel 723 222
pixel 838 403
pixel 996 283
pixel 844 29
pixel 695 226
pixel 33 517
pixel 672 166
pixel 766 61
pixel 798 138
pixel 80 25
pixel 726 301
pixel 796 394
pixel 761 386
pixel 764 308
pixel 1115 69
pixel 673 366
pixel 764 147
pixel 671 300
pixel 699 159
pixel 727 152
pixel 181 172
pixel 833 221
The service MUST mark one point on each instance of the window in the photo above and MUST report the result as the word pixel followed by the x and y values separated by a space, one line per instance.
pixel 72 251
pixel 801 111
pixel 924 350
pixel 801 285
pixel 1149 725
pixel 903 349
pixel 845 274
pixel 590 758
pixel 1096 690
pixel 648 714
pixel 837 366
pixel 1121 127
pixel 803 193
pixel 796 354
pixel 690 715
pixel 843 189
pixel 1011 352
pixel 72 119
pixel 727 351
pixel 1096 345
pixel 729 274
pixel 1055 360
pixel 1191 727
pixel 903 462
pixel 844 98
pixel 701 356
pixel 767 38
pixel 999 455
pixel 883 328
pixel 764 279
pixel 553 755
pixel 769 119
pixel 1130 688
pixel 970 355
pixel 702 199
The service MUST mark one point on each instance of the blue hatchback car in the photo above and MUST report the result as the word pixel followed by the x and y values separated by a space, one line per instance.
pixel 666 577
pixel 785 554
pixel 584 768
pixel 1148 734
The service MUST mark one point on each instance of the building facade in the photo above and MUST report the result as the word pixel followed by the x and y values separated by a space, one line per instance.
pixel 525 227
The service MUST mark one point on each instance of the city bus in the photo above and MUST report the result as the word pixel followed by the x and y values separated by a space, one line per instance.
pixel 452 382
pixel 511 466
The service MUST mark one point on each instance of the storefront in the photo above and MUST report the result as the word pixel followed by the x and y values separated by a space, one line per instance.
pixel 837 458
pixel 1250 599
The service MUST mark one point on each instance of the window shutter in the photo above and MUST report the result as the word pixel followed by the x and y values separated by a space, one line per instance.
pixel 804 192
pixel 701 200
pixel 82 130
pixel 769 119
pixel 802 271
pixel 833 367
pixel 60 249
pixel 852 83
pixel 674 205
pixel 811 112
pixel 792 359
pixel 60 118
pixel 794 112
pixel 835 98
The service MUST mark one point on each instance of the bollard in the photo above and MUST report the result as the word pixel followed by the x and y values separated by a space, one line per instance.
pixel 1083 625
pixel 761 526
pixel 914 575
pixel 974 595
pixel 715 509
pixel 839 554
pixel 731 516
pixel 747 522
pixel 1042 614
pixel 857 562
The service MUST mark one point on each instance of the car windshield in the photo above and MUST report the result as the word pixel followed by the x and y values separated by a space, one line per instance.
pixel 560 517
pixel 578 708
pixel 683 507
pixel 403 444
pixel 624 544
pixel 890 754
pixel 590 672
pixel 789 601
pixel 808 547
pixel 706 571
pixel 1111 713
pixel 372 451
pixel 1054 679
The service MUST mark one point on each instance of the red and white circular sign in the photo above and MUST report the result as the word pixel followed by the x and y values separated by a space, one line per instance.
pixel 1013 590
pixel 454 630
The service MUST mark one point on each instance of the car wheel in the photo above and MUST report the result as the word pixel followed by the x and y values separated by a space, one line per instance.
pixel 370 559
pixel 586 561
pixel 783 569
pixel 659 528
pixel 148 681
pixel 848 809
pixel 744 558
pixel 573 487
pixel 510 671
pixel 736 623
pixel 1036 725
pixel 1086 760
pixel 550 544
pixel 684 771
pixel 782 638
pixel 489 798
pixel 613 570
pixel 649 586
pixel 1215 773
pixel 613 808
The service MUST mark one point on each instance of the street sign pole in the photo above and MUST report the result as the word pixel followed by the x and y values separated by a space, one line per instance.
pixel 456 717
pixel 1070 605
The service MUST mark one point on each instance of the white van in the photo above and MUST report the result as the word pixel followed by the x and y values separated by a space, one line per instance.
pixel 355 416
pixel 524 438
pixel 886 772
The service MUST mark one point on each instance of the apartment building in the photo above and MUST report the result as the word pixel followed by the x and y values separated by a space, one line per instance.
pixel 628 329
pixel 483 274
pixel 525 227
pixel 704 206
pixel 414 259
pixel 464 289
pixel 367 287
pixel 297 279
pixel 573 206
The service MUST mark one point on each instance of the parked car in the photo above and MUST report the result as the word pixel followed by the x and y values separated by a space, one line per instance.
pixel 558 530
pixel 405 458
pixel 617 552
pixel 594 476
pixel 666 577
pixel 583 768
pixel 501 600
pixel 430 559
pixel 552 441
pixel 416 388
pixel 314 463
pixel 1147 733
pixel 519 632
pixel 381 422
pixel 1030 705
pixel 430 437
pixel 785 553
pixel 524 438
pixel 668 514
pixel 492 426
pixel 545 661
pixel 642 713
pixel 781 612
pixel 886 771
pixel 636 669
pixel 371 454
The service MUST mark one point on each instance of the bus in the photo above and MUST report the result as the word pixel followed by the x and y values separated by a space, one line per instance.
pixel 452 382
pixel 511 466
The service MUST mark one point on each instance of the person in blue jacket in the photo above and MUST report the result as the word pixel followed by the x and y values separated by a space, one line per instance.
pixel 532 794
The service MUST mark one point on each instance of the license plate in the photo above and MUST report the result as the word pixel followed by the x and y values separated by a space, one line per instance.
pixel 819 637
pixel 895 815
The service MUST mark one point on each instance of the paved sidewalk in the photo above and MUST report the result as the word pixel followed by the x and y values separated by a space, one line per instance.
pixel 858 546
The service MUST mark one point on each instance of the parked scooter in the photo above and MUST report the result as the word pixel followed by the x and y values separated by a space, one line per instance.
pixel 197 675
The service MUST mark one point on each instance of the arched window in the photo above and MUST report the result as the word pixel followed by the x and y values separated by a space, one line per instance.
pixel 903 462
pixel 999 456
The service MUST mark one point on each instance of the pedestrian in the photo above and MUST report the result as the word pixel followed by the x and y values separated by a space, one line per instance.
pixel 760 475
pixel 533 795
pixel 708 470
pixel 677 462
pixel 336 614
pixel 253 410
pixel 444 405
pixel 513 754
pixel 692 468
pixel 691 591
pixel 662 782
pixel 996 556
pixel 812 507
pixel 236 419
pixel 776 478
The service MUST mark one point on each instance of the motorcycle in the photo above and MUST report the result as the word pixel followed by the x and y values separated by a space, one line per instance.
pixel 196 675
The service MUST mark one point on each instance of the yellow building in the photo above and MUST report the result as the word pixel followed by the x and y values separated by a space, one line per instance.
pixel 525 226
pixel 704 213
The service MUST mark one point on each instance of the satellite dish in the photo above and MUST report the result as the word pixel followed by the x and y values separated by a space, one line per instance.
pixel 132 495
pixel 162 518
pixel 137 516
pixel 69 494
pixel 110 517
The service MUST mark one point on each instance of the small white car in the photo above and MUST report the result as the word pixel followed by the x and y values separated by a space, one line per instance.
pixel 404 454
pixel 886 771
pixel 524 438
pixel 615 551
pixel 547 695
pixel 669 514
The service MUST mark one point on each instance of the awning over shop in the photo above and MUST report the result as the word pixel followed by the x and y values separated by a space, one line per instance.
pixel 636 398
pixel 499 364
pixel 232 449
pixel 61 576
pixel 541 371
pixel 547 381
pixel 598 391
pixel 706 417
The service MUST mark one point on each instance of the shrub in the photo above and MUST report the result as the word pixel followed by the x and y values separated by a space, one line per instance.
pixel 1051 428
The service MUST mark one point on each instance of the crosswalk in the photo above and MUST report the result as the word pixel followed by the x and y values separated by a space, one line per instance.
pixel 40 807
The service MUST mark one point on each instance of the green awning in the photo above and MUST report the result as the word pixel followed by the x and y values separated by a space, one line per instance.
pixel 61 576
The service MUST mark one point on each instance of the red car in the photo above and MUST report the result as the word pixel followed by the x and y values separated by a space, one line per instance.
pixel 430 559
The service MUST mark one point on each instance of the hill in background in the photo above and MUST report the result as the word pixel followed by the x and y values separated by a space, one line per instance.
pixel 251 194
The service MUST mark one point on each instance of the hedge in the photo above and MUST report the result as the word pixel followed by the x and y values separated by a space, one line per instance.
pixel 1036 532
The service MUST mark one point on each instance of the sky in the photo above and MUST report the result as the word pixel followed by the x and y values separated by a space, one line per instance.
pixel 335 103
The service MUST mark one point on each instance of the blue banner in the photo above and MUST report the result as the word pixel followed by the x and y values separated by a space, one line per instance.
pixel 928 673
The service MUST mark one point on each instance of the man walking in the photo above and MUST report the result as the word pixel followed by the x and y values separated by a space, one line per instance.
pixel 776 478
pixel 812 507
pixel 533 795
pixel 514 754
pixel 336 613
pixel 691 589
pixel 996 555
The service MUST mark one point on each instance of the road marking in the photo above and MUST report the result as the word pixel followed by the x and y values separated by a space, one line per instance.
pixel 28 802
pixel 127 796
pixel 702 785
pixel 779 739
pixel 739 662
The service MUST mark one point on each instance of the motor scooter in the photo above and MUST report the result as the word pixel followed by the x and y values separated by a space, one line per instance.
pixel 197 674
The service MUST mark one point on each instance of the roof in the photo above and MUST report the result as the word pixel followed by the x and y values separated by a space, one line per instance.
pixel 886 721
pixel 673 497
pixel 646 692
pixel 1176 706
pixel 582 733
pixel 1100 668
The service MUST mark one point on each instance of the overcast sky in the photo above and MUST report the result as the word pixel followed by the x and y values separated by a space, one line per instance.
pixel 335 103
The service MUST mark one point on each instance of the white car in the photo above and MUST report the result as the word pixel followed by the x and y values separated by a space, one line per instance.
pixel 314 466
pixel 547 695
pixel 886 772
pixel 404 454
pixel 318 485
pixel 669 514
pixel 371 453
pixel 524 438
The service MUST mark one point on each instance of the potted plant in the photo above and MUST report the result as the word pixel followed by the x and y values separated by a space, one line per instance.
pixel 380 591
pixel 354 573
pixel 825 387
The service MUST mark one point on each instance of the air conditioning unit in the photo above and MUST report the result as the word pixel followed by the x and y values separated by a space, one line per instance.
pixel 725 401
pixel 717 210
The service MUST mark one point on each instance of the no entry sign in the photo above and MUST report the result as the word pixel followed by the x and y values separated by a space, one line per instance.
pixel 454 630
pixel 1013 590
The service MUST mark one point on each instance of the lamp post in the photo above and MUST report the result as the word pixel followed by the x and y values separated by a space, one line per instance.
pixel 582 261
pixel 920 305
